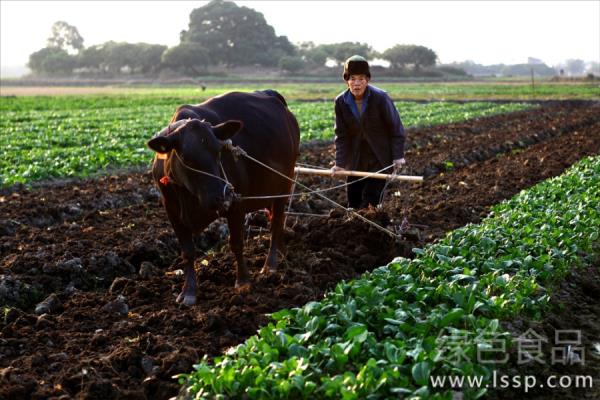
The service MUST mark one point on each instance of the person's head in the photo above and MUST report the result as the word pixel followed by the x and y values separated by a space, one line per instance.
pixel 357 75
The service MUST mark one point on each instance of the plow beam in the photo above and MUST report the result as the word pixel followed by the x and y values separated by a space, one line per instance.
pixel 326 172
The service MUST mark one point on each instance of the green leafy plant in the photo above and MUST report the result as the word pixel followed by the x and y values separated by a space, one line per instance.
pixel 384 335
pixel 65 136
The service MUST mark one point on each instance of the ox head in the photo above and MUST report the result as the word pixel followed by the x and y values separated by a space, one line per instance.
pixel 192 152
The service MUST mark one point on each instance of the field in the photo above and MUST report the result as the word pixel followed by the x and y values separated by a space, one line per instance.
pixel 97 252
pixel 48 137
pixel 542 90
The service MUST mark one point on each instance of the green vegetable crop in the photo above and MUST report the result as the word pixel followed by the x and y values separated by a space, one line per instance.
pixel 44 137
pixel 386 334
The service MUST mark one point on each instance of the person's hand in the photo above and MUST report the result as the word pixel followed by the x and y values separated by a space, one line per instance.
pixel 335 169
pixel 398 164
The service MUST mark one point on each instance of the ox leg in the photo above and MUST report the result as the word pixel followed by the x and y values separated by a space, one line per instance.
pixel 236 242
pixel 277 218
pixel 184 237
pixel 188 255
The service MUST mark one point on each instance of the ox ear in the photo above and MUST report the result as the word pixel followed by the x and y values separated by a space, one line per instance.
pixel 163 144
pixel 227 129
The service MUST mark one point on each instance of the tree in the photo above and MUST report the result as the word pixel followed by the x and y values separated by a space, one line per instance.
pixel 94 58
pixel 340 52
pixel 336 52
pixel 66 37
pixel 402 55
pixel 291 63
pixel 188 56
pixel 51 61
pixel 398 56
pixel 113 57
pixel 312 54
pixel 55 58
pixel 119 55
pixel 424 57
pixel 235 35
pixel 148 57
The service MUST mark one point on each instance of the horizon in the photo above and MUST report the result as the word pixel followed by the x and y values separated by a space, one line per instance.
pixel 457 31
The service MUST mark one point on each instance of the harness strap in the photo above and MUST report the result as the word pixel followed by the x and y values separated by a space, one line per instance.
pixel 203 172
pixel 368 221
pixel 237 151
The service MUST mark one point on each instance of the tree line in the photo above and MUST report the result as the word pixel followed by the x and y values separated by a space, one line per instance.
pixel 220 34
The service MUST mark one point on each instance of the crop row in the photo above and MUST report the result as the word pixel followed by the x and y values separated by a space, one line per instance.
pixel 316 119
pixel 388 333
pixel 80 141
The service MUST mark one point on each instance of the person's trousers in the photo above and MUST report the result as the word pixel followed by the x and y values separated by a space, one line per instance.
pixel 363 193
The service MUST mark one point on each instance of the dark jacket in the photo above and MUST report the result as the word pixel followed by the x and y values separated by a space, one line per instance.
pixel 379 125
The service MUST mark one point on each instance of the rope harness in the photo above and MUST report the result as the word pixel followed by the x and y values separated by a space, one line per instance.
pixel 228 185
pixel 238 152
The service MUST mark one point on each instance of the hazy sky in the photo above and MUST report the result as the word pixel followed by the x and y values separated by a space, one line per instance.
pixel 484 31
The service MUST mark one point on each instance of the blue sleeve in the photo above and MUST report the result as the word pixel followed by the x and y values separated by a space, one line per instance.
pixel 396 129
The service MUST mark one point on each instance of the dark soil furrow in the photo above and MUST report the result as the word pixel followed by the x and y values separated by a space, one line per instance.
pixel 112 328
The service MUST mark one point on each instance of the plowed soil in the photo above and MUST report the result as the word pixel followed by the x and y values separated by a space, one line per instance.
pixel 86 276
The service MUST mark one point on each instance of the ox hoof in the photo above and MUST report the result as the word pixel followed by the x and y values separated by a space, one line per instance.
pixel 243 287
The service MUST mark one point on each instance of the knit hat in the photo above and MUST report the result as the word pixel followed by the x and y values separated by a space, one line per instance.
pixel 356 65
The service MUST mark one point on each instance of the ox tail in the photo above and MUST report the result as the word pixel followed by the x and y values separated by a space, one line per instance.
pixel 275 93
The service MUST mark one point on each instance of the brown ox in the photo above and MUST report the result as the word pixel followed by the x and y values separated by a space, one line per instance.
pixel 200 179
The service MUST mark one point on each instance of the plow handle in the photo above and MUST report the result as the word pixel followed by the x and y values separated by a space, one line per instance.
pixel 326 172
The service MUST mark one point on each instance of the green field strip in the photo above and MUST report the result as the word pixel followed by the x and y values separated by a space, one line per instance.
pixel 74 140
pixel 384 335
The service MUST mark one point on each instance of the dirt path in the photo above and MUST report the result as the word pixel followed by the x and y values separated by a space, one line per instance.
pixel 111 332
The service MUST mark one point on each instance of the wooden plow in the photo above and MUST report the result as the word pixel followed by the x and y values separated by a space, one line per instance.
pixel 327 172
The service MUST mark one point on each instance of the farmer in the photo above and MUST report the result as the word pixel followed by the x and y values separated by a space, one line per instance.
pixel 369 135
